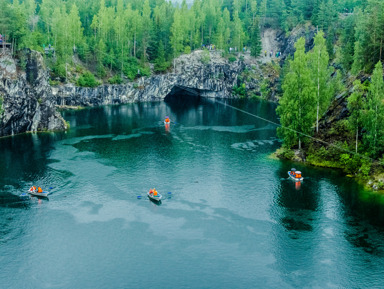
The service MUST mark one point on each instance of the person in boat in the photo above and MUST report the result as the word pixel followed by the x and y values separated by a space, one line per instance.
pixel 151 191
pixel 154 192
pixel 32 189
pixel 39 190
pixel 167 120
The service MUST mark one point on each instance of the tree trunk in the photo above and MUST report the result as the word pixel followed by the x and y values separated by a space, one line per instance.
pixel 317 118
pixel 318 92
pixel 357 137
pixel 210 34
pixel 375 137
pixel 122 58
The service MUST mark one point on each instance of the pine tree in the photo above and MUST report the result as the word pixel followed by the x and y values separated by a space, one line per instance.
pixel 347 39
pixel 256 45
pixel 160 63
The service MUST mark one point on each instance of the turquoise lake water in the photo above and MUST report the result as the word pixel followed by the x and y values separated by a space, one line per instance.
pixel 229 218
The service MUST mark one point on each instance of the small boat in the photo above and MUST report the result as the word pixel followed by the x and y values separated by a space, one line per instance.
pixel 295 175
pixel 36 193
pixel 155 198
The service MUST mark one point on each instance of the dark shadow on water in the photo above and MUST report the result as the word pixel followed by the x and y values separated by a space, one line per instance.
pixel 8 200
pixel 181 101
pixel 157 203
pixel 298 202
pixel 40 198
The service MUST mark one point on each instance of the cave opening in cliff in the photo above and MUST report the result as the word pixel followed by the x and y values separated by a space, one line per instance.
pixel 183 97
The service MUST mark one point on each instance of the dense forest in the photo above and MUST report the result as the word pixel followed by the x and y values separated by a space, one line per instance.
pixel 123 35
pixel 117 39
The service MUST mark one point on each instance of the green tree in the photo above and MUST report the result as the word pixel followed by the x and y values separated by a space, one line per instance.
pixel 296 105
pixel 220 41
pixel 321 76
pixel 146 28
pixel 177 35
pixel 160 63
pixel 355 106
pixel 237 32
pixel 263 11
pixel 74 27
pixel 256 45
pixel 5 17
pixel 347 39
pixel 374 118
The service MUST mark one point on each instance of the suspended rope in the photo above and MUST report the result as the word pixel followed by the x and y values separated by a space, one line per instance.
pixel 300 133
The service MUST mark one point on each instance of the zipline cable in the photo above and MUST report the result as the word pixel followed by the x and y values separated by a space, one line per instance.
pixel 295 131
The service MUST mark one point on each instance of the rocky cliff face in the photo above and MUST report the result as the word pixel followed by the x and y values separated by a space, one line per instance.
pixel 287 44
pixel 215 79
pixel 26 99
pixel 28 102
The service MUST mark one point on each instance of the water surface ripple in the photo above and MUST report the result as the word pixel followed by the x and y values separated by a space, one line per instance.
pixel 230 218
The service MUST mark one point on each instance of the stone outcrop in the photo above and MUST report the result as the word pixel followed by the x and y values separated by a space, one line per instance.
pixel 287 44
pixel 28 102
pixel 213 79
pixel 26 99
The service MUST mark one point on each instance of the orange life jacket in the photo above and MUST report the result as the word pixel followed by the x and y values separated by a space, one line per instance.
pixel 39 190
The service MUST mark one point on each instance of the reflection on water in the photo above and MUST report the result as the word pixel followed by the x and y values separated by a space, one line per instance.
pixel 234 219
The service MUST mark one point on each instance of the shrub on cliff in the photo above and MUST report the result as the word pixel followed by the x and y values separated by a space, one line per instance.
pixel 240 90
pixel 160 62
pixel 59 71
pixel 87 79
pixel 232 59
pixel 115 80
pixel 205 57
pixel 133 69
